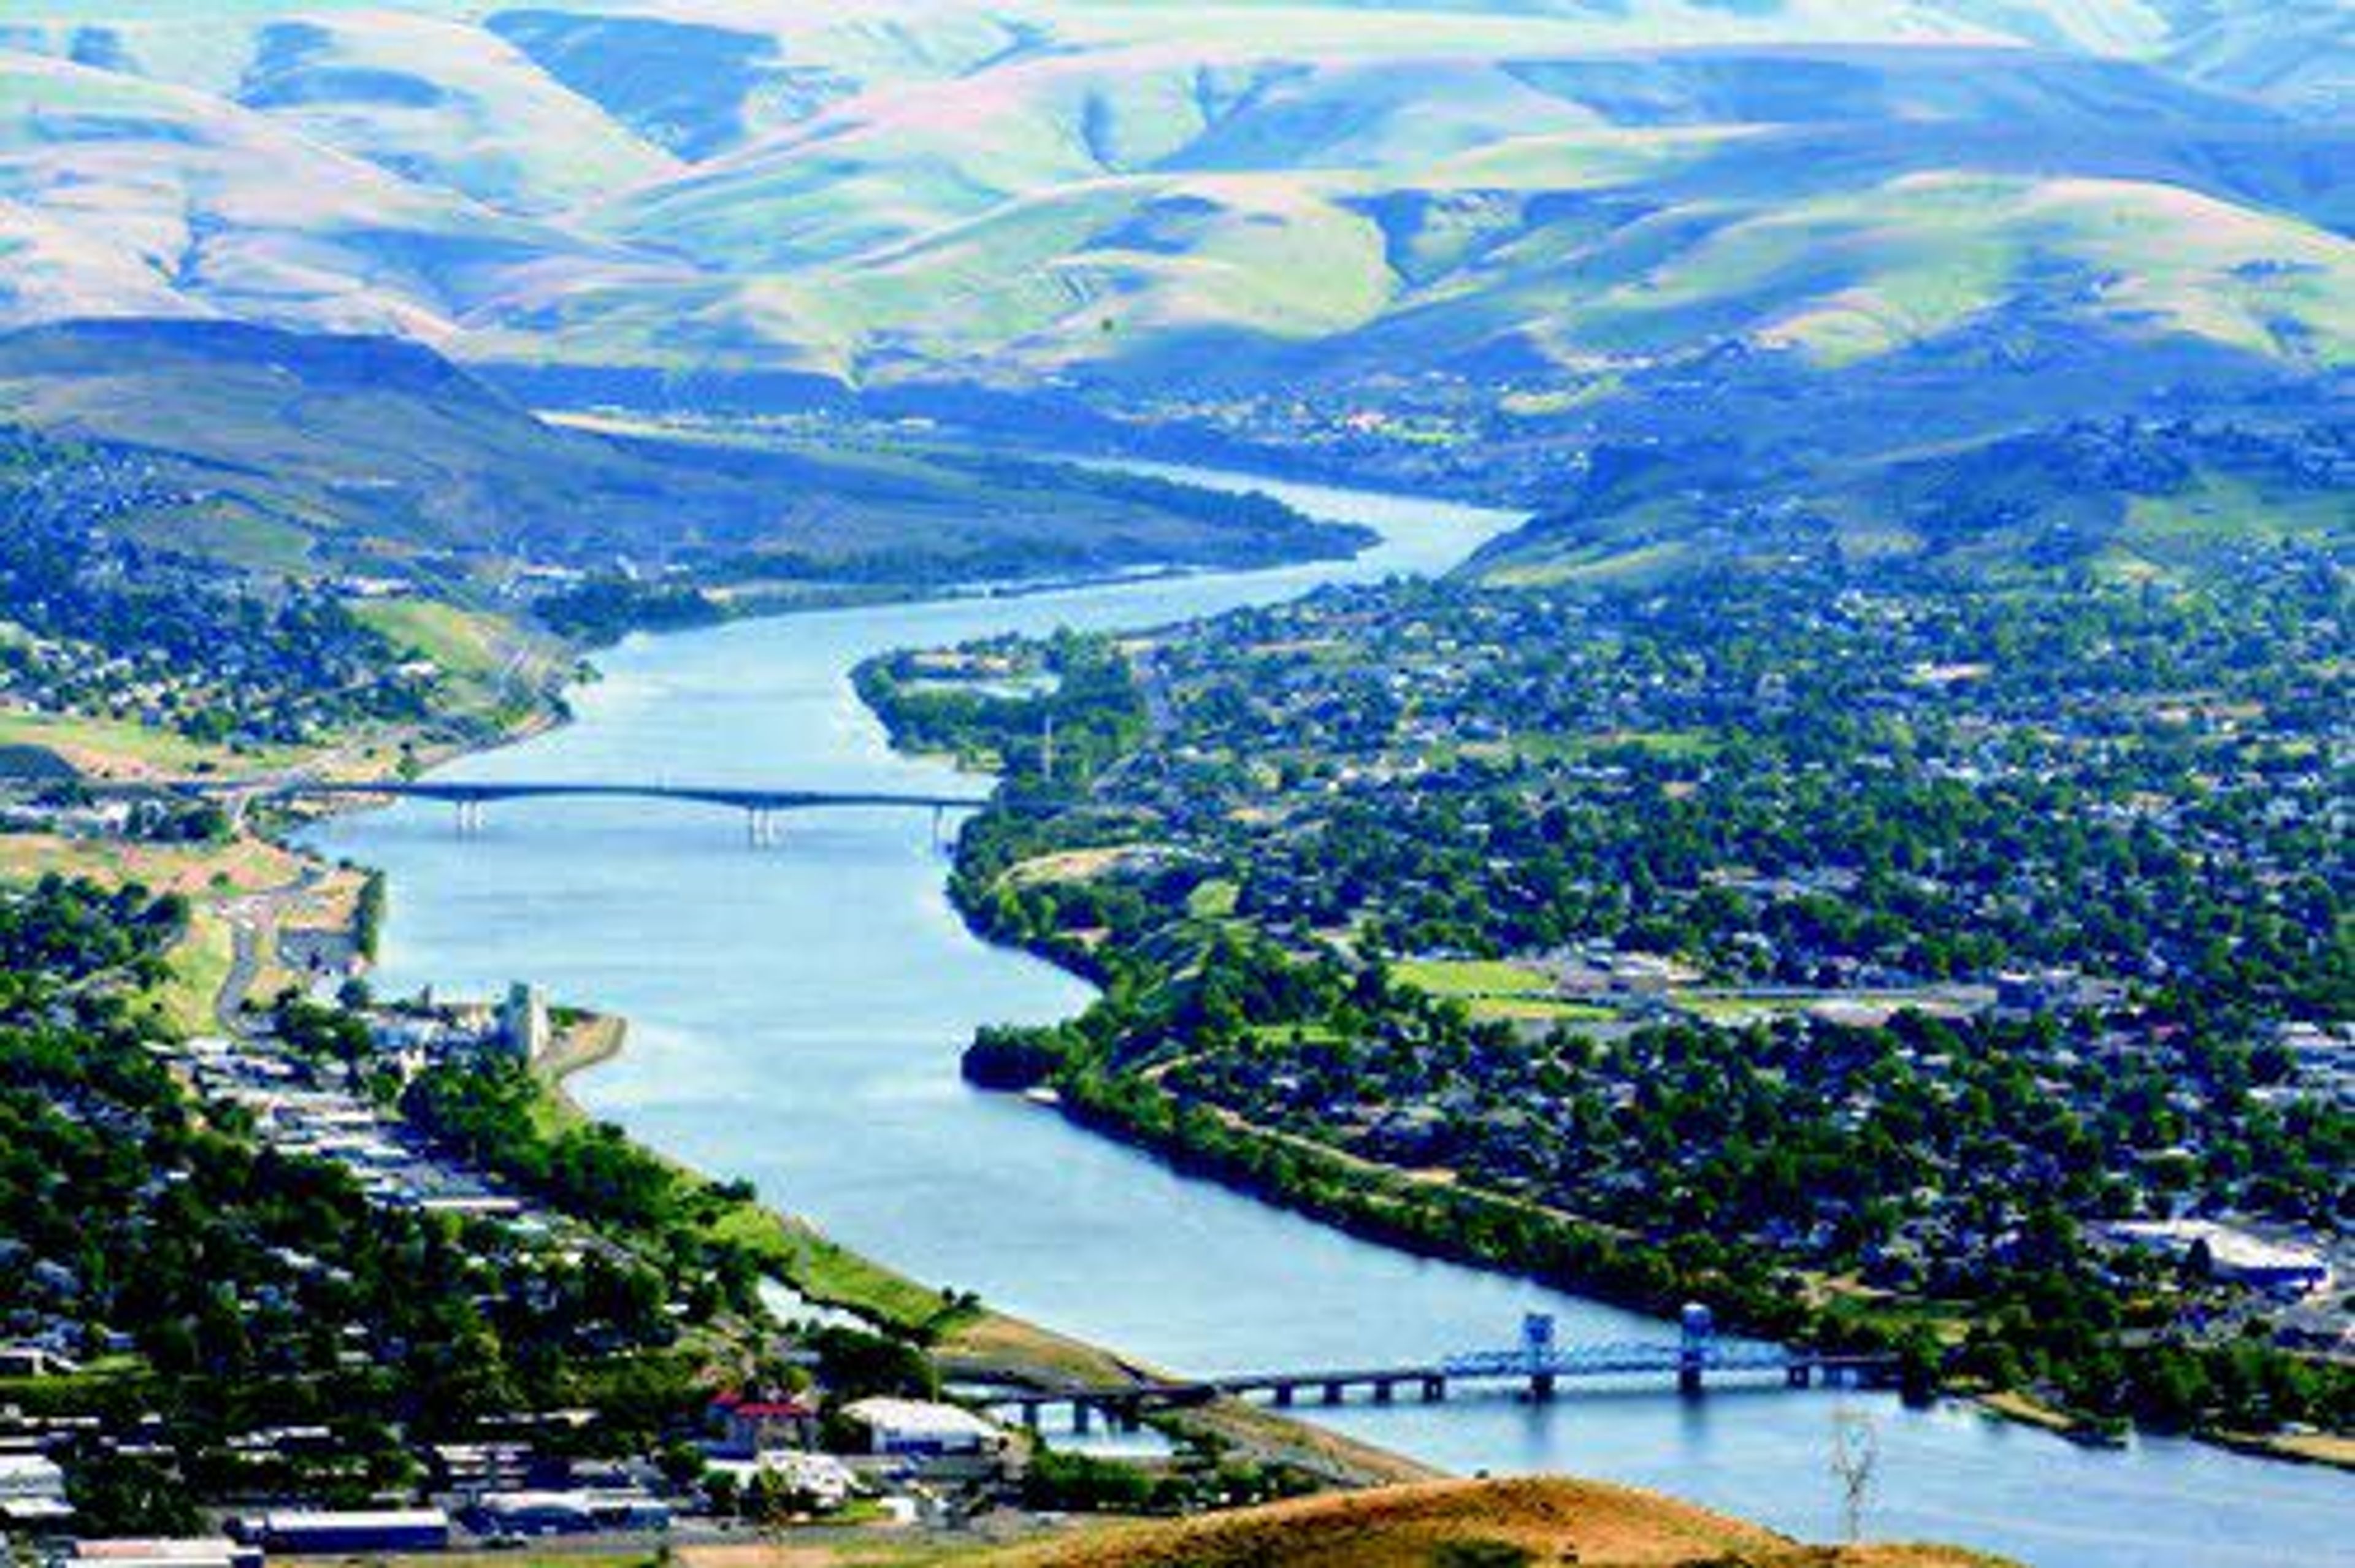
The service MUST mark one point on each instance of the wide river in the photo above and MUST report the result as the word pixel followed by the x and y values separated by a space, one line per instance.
pixel 797 1014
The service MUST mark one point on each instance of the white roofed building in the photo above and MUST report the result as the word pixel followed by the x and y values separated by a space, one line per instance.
pixel 914 1426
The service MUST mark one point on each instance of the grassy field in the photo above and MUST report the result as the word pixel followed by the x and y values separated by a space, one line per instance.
pixel 1537 1009
pixel 1498 988
pixel 246 866
pixel 466 644
pixel 1213 898
pixel 832 1275
pixel 226 535
pixel 200 968
pixel 119 749
pixel 1472 977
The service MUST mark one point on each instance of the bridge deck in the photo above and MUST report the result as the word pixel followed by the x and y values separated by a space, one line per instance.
pixel 1596 1362
pixel 469 792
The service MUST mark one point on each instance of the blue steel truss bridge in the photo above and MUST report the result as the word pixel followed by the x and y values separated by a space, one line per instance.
pixel 1540 1365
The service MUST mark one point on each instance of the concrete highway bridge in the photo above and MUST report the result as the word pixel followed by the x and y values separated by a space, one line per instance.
pixel 470 797
pixel 1537 1364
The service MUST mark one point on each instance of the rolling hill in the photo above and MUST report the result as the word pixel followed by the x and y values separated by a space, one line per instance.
pixel 1469 1523
pixel 313 456
pixel 1039 189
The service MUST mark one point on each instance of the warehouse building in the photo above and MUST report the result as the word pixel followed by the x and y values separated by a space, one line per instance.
pixel 322 1534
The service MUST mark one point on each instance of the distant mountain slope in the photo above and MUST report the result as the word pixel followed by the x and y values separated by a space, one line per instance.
pixel 1734 234
pixel 442 103
pixel 371 456
pixel 1217 196
pixel 228 211
pixel 2240 490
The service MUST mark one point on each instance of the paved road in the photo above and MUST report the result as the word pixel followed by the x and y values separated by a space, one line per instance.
pixel 254 920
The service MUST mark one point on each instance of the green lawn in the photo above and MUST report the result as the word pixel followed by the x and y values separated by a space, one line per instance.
pixel 1498 988
pixel 1472 977
pixel 1660 743
pixel 201 966
pixel 1213 900
pixel 833 1274
pixel 1539 1009
pixel 467 644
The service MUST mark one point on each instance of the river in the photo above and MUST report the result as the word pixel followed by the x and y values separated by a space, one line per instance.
pixel 797 1014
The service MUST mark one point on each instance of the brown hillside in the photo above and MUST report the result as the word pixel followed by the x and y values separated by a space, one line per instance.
pixel 1464 1524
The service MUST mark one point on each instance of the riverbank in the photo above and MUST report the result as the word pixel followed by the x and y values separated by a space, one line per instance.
pixel 234 958
pixel 972 1342
pixel 792 1012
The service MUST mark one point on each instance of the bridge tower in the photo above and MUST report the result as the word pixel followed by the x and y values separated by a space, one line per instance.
pixel 1538 1352
pixel 1700 1335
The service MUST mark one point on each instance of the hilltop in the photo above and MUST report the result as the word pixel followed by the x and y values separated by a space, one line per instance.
pixel 1464 1524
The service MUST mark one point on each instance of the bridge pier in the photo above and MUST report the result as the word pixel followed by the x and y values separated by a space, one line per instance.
pixel 1082 1418
pixel 1434 1389
pixel 1333 1393
pixel 1799 1374
pixel 1284 1396
pixel 469 815
pixel 1383 1389
pixel 761 829
pixel 1540 1387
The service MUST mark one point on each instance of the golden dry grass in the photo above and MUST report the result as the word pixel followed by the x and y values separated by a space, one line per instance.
pixel 249 864
pixel 1542 1520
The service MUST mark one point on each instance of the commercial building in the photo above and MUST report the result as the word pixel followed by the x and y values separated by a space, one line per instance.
pixel 317 1533
pixel 2234 1254
pixel 920 1428
pixel 569 1512
pixel 189 1551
